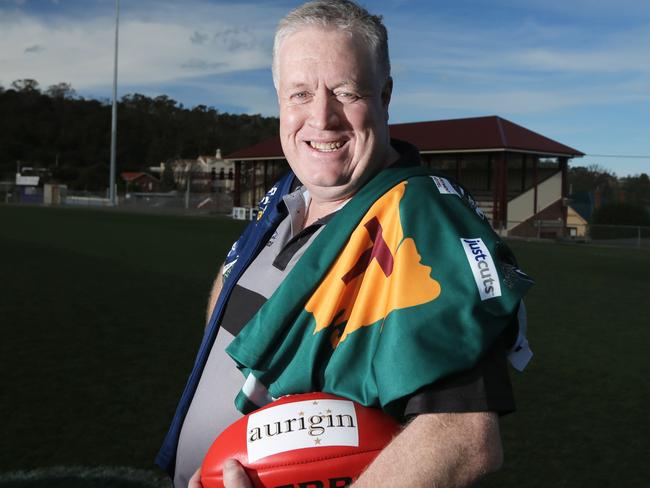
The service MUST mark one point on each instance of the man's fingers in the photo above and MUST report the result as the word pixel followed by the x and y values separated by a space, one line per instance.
pixel 234 475
pixel 195 480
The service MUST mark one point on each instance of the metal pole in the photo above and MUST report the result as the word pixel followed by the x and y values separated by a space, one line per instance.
pixel 187 191
pixel 112 192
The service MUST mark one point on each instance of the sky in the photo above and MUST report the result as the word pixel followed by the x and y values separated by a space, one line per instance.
pixel 577 71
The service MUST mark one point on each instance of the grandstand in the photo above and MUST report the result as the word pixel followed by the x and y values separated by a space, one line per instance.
pixel 519 177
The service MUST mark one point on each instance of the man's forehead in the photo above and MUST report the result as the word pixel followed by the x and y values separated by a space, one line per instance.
pixel 313 42
pixel 310 52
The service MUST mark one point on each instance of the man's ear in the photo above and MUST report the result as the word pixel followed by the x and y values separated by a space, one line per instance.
pixel 386 93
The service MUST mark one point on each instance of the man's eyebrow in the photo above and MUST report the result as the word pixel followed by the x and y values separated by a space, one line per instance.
pixel 297 85
pixel 347 83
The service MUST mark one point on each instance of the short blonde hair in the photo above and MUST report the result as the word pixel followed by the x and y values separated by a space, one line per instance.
pixel 344 15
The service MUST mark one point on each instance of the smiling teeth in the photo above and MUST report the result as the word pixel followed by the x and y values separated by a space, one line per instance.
pixel 325 146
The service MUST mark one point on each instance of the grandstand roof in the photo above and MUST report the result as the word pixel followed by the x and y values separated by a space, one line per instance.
pixel 476 134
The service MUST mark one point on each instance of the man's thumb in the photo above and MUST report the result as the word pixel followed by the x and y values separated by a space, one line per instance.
pixel 234 475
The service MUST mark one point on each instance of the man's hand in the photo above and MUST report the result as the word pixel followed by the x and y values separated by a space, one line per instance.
pixel 195 480
pixel 442 450
pixel 449 450
pixel 234 476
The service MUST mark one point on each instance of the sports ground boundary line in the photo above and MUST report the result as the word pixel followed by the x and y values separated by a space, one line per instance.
pixel 144 477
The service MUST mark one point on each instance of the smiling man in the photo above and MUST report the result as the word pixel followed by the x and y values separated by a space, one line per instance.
pixel 333 99
pixel 365 276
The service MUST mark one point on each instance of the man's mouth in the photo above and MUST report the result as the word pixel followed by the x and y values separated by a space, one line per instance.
pixel 326 146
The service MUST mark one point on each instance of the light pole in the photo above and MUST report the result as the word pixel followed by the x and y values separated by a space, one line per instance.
pixel 112 192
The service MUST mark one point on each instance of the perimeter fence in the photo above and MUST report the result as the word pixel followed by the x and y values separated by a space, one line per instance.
pixel 165 203
pixel 631 236
pixel 619 235
pixel 173 202
pixel 221 202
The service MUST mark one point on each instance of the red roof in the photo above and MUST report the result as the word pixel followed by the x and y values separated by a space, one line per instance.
pixel 132 175
pixel 456 135
pixel 267 149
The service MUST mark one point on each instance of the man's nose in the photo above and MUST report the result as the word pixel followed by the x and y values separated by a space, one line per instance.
pixel 324 111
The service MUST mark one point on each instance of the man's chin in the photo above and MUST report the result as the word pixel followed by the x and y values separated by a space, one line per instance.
pixel 331 190
pixel 326 183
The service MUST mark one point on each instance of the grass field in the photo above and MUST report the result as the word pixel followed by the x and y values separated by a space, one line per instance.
pixel 101 313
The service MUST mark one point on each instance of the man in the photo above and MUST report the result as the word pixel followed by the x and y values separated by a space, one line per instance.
pixel 397 293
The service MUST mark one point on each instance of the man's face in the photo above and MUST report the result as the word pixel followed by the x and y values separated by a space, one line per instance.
pixel 333 114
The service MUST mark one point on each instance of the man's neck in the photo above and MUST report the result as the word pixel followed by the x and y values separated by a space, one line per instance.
pixel 319 209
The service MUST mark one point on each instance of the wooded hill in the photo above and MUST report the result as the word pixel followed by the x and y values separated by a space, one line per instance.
pixel 70 135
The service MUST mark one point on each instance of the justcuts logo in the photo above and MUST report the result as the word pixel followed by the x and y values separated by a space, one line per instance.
pixel 300 425
pixel 483 268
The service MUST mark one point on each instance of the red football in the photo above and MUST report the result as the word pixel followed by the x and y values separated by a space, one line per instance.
pixel 311 440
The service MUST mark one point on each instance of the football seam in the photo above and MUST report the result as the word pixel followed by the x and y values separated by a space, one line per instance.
pixel 311 460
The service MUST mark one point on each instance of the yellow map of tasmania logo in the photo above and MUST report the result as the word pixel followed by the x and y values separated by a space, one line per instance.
pixel 377 272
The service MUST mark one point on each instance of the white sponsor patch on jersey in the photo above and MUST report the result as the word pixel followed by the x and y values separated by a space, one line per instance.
pixel 300 425
pixel 483 268
pixel 444 186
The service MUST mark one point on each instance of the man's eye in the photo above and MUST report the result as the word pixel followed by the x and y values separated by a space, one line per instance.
pixel 300 96
pixel 347 96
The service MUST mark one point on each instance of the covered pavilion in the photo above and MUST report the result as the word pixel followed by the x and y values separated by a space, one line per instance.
pixel 519 177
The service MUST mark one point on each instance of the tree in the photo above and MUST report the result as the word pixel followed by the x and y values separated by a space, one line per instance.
pixel 594 179
pixel 167 178
pixel 92 178
pixel 621 214
pixel 25 85
pixel 637 189
pixel 61 90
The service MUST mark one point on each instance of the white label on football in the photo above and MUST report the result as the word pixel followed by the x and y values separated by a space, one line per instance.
pixel 299 425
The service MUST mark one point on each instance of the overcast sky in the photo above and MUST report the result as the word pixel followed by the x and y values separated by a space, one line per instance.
pixel 577 71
